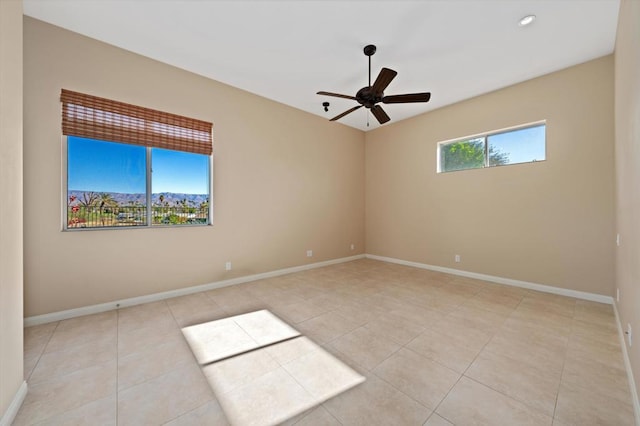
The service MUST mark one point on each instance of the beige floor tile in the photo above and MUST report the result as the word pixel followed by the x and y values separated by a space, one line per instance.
pixel 544 306
pixel 164 398
pixel 322 375
pixel 546 321
pixel 208 414
pixel 463 332
pixel 318 416
pixel 216 340
pixel 281 298
pixel 146 338
pixel 326 327
pixel 395 328
pixel 152 362
pixel 98 413
pixel 301 311
pixel 470 402
pixel 264 327
pixel 595 315
pixel 579 406
pixel 358 313
pixel 229 374
pixel 154 315
pixel 534 387
pixel 439 303
pixel 53 397
pixel 418 315
pixel 74 358
pixel 584 347
pixel 375 402
pixel 234 301
pixel 328 301
pixel 555 299
pixel 509 297
pixel 538 350
pixel 420 378
pixel 479 318
pixel 290 350
pixel 36 338
pixel 365 347
pixel 100 328
pixel 436 420
pixel 589 374
pixel 270 399
pixel 90 323
pixel 29 364
pixel 605 331
pixel 195 309
pixel 444 350
pixel 384 301
pixel 306 292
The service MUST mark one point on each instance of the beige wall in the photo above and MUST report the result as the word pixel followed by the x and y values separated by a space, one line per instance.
pixel 11 204
pixel 284 181
pixel 627 148
pixel 548 222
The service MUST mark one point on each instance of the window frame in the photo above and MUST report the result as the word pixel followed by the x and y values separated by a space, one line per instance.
pixel 485 136
pixel 148 187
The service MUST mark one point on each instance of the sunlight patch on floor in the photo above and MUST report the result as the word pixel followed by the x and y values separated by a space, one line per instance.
pixel 263 371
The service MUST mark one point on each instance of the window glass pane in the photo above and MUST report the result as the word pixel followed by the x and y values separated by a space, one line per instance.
pixel 461 155
pixel 106 184
pixel 517 146
pixel 180 187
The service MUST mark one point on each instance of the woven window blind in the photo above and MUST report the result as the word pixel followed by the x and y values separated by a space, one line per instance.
pixel 98 118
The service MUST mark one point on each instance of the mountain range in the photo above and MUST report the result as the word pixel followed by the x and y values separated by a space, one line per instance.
pixel 124 199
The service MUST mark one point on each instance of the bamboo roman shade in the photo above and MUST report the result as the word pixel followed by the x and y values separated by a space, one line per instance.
pixel 98 118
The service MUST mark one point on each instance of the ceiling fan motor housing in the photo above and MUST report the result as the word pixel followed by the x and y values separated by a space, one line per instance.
pixel 368 97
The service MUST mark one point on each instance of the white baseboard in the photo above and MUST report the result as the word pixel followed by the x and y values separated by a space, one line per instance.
pixel 15 405
pixel 103 307
pixel 627 366
pixel 500 280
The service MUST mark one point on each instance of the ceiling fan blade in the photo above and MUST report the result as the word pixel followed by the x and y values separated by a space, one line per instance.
pixel 379 114
pixel 349 111
pixel 408 98
pixel 336 95
pixel 383 80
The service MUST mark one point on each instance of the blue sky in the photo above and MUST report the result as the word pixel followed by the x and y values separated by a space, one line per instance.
pixel 522 145
pixel 114 167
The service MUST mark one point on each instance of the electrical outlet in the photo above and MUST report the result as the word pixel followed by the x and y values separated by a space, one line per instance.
pixel 618 240
pixel 227 266
pixel 629 335
pixel 457 258
pixel 617 295
pixel 353 246
pixel 309 253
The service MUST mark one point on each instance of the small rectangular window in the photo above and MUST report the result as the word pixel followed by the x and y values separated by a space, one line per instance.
pixel 521 145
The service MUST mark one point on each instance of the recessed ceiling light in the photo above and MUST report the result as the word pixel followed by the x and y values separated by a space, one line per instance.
pixel 526 20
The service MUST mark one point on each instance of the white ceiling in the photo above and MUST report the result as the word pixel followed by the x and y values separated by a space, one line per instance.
pixel 288 50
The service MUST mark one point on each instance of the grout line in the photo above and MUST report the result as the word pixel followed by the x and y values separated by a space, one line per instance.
pixel 251 350
pixel 44 347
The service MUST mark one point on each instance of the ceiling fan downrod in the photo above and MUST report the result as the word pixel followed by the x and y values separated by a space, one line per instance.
pixel 369 50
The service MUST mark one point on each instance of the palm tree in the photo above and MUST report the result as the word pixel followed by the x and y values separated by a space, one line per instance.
pixel 105 200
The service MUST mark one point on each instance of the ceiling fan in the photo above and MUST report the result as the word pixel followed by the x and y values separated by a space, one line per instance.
pixel 370 96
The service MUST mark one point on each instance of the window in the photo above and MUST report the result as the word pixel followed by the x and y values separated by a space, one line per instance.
pixel 124 178
pixel 520 145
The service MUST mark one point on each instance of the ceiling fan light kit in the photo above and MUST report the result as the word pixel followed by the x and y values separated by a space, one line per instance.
pixel 371 95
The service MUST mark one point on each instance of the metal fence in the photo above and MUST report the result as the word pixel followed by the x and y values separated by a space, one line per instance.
pixel 98 217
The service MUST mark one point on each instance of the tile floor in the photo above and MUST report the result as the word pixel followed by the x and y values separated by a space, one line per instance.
pixel 435 349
